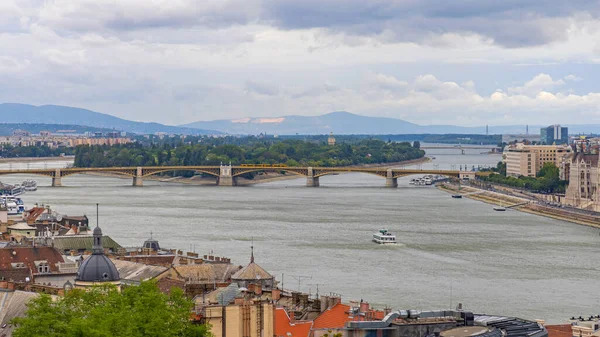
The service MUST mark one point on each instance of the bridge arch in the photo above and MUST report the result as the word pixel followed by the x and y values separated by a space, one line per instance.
pixel 241 171
pixel 154 172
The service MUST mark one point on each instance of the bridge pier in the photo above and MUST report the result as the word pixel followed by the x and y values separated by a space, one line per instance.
pixel 311 180
pixel 390 181
pixel 226 181
pixel 138 181
pixel 225 177
pixel 57 179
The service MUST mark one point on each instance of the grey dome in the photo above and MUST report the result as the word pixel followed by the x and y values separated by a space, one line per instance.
pixel 97 231
pixel 97 268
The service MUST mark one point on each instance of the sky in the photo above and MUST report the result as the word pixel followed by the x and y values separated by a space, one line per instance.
pixel 460 62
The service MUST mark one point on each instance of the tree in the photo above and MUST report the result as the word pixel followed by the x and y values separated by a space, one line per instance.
pixel 417 144
pixel 104 311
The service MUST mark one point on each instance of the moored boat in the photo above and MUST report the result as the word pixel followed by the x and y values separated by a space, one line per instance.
pixel 456 196
pixel 29 185
pixel 499 209
pixel 384 237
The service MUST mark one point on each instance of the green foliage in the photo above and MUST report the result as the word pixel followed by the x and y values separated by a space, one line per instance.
pixel 417 144
pixel 104 311
pixel 249 150
pixel 546 181
pixel 9 151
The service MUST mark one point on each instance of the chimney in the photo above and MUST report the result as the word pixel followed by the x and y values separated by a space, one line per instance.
pixel 364 306
pixel 258 289
pixel 276 294
pixel 292 317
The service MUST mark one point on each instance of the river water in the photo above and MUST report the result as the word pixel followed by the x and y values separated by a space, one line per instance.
pixel 452 250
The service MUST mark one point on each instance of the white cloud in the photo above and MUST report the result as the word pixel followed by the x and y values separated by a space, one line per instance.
pixel 573 78
pixel 536 85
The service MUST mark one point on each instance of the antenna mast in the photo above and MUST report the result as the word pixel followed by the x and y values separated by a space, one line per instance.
pixel 301 278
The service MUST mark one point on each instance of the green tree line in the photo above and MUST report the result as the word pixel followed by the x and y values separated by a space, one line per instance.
pixel 105 311
pixel 9 151
pixel 290 152
pixel 547 180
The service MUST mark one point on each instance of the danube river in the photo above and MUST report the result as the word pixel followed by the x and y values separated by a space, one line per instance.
pixel 452 250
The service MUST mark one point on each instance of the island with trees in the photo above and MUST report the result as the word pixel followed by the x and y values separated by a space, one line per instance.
pixel 247 150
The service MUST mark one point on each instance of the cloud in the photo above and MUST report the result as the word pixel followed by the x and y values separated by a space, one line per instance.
pixel 418 60
pixel 536 85
pixel 573 78
pixel 261 88
pixel 513 23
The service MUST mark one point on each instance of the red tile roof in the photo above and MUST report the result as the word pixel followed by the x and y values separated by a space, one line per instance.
pixel 28 256
pixel 284 328
pixel 337 316
pixel 334 317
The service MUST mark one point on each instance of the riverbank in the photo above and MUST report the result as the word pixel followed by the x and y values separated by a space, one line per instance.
pixel 34 159
pixel 522 204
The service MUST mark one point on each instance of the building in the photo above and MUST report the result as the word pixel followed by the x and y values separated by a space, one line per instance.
pixel 21 230
pixel 79 243
pixel 97 268
pixel 331 139
pixel 253 274
pixel 23 264
pixel 13 304
pixel 584 182
pixel 554 134
pixel 444 323
pixel 240 319
pixel 527 160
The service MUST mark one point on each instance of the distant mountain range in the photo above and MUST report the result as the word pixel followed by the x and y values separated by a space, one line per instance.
pixel 342 122
pixel 7 129
pixel 56 114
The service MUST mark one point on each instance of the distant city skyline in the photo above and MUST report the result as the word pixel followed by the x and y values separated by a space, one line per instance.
pixel 463 63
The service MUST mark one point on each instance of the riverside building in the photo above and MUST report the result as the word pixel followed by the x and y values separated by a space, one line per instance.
pixel 584 175
pixel 554 134
pixel 527 160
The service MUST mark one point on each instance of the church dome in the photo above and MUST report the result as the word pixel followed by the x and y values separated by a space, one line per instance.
pixel 98 268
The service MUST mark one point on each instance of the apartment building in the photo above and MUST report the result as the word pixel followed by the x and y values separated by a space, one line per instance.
pixel 527 160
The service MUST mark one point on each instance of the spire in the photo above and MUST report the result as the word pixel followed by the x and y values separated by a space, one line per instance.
pixel 252 254
pixel 97 248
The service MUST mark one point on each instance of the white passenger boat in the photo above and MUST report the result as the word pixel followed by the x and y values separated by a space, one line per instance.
pixel 29 185
pixel 384 237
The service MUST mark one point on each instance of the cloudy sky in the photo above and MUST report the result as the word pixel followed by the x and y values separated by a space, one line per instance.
pixel 463 62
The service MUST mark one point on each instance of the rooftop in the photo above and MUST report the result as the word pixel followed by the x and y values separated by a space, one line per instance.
pixel 137 272
pixel 251 272
pixel 284 326
pixel 13 304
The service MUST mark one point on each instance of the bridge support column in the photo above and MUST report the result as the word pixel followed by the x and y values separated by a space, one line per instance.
pixel 390 181
pixel 57 179
pixel 311 180
pixel 138 181
pixel 225 177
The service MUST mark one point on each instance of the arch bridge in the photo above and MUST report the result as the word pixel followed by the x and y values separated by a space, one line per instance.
pixel 227 175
